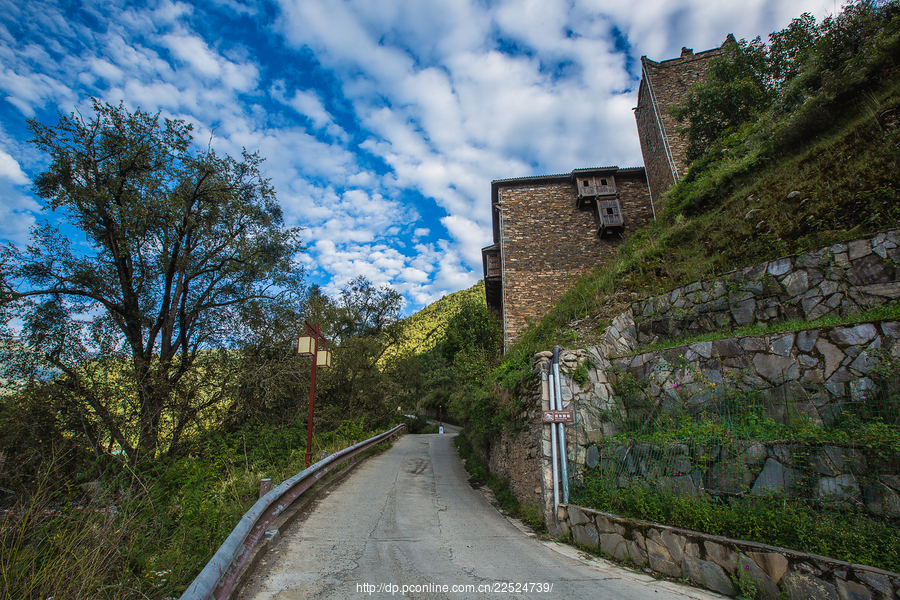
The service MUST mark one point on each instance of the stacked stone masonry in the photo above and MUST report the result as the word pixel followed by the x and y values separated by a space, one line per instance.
pixel 714 562
pixel 666 83
pixel 840 280
pixel 807 375
pixel 547 242
pixel 519 457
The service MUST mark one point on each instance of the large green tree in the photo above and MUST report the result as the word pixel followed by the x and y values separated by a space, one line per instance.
pixel 180 243
pixel 362 321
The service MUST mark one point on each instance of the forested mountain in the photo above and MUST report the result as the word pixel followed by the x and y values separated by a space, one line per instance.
pixel 426 328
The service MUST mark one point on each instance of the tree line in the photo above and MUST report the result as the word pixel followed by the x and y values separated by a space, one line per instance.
pixel 166 300
pixel 818 67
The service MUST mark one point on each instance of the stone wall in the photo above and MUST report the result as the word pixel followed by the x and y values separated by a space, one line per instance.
pixel 653 150
pixel 634 198
pixel 547 242
pixel 518 455
pixel 838 280
pixel 814 371
pixel 714 562
pixel 807 377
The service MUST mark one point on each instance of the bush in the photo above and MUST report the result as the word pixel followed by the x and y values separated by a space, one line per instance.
pixel 148 531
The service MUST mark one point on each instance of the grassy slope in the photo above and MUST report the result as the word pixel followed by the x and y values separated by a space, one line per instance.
pixel 739 213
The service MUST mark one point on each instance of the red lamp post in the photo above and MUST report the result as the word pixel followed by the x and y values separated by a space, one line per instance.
pixel 308 345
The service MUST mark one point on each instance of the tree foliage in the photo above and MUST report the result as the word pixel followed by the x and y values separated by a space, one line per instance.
pixel 457 375
pixel 743 82
pixel 362 309
pixel 808 68
pixel 180 245
pixel 362 322
pixel 473 329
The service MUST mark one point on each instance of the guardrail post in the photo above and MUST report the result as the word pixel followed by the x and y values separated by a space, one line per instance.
pixel 264 486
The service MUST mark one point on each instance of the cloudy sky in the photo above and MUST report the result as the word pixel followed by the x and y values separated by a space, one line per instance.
pixel 382 122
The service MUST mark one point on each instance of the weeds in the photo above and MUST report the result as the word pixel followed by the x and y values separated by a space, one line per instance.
pixel 53 549
pixel 148 532
pixel 744 585
pixel 770 520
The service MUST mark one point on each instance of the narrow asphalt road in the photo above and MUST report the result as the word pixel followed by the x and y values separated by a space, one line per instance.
pixel 408 524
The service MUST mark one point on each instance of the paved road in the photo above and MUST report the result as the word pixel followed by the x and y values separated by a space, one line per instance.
pixel 409 517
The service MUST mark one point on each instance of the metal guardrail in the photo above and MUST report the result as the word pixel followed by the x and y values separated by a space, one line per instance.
pixel 218 577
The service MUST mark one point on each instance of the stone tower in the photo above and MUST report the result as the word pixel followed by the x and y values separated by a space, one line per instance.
pixel 663 84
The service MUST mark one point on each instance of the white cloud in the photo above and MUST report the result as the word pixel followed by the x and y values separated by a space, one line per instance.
pixel 309 104
pixel 447 96
pixel 469 235
pixel 193 51
pixel 16 209
pixel 10 169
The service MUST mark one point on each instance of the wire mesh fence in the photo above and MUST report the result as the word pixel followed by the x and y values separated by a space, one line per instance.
pixel 723 445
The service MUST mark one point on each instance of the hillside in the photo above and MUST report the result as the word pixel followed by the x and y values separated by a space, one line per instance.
pixel 805 162
pixel 816 166
pixel 424 329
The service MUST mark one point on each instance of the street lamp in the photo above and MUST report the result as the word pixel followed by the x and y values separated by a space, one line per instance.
pixel 308 345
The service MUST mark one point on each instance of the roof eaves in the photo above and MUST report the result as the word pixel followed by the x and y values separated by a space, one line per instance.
pixel 592 169
pixel 531 177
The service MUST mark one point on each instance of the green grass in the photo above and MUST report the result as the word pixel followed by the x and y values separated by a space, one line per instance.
pixel 769 520
pixel 887 311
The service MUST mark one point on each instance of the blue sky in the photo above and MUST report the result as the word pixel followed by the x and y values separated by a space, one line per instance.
pixel 382 122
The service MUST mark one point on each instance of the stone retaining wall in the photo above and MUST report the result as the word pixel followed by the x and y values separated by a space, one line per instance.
pixel 808 375
pixel 714 562
pixel 518 455
pixel 842 279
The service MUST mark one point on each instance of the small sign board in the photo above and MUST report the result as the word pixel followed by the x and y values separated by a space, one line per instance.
pixel 559 416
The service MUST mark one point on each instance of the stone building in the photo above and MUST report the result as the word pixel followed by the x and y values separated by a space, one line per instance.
pixel 549 229
pixel 663 84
